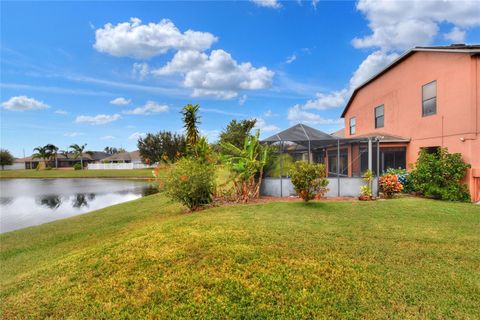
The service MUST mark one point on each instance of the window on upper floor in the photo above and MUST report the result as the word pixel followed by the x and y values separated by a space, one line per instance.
pixel 353 125
pixel 379 116
pixel 429 99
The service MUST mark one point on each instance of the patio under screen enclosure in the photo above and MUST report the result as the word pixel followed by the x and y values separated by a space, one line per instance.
pixel 346 159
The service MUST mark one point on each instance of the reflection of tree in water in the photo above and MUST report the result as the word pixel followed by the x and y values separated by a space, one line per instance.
pixel 149 190
pixel 6 200
pixel 50 201
pixel 81 199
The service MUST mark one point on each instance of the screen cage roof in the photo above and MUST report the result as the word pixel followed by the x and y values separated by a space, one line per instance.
pixel 303 135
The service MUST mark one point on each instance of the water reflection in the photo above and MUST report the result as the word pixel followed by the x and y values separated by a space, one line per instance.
pixel 50 201
pixel 27 202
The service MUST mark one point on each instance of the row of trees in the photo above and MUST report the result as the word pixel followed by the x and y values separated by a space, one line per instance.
pixel 169 147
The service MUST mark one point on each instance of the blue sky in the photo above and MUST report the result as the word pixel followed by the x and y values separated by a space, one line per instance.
pixel 63 69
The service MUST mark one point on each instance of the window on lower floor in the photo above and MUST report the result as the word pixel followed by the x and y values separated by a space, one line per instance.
pixel 389 158
pixel 431 150
pixel 332 163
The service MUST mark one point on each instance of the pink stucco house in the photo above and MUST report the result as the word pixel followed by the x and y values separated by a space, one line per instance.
pixel 427 98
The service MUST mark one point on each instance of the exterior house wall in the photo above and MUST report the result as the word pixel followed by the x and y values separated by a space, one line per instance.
pixel 456 122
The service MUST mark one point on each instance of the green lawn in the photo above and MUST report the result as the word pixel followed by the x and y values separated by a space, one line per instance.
pixel 132 173
pixel 399 259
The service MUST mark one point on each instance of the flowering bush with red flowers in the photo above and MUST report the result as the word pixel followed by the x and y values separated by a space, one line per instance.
pixel 390 185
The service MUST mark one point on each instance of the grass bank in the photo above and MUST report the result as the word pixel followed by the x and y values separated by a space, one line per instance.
pixel 65 173
pixel 405 258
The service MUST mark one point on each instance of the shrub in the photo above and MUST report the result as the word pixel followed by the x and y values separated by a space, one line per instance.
pixel 390 185
pixel 77 166
pixel 191 183
pixel 309 180
pixel 246 165
pixel 439 175
pixel 403 177
pixel 366 189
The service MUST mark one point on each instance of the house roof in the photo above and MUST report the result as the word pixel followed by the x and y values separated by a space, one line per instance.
pixel 383 137
pixel 454 48
pixel 124 156
pixel 339 133
pixel 93 156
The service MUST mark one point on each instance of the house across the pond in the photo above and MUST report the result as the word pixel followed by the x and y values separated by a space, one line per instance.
pixel 67 160
pixel 426 99
pixel 124 157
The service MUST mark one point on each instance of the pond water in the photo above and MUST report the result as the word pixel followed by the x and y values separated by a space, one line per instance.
pixel 28 202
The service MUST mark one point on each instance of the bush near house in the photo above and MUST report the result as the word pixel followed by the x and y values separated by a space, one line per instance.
pixel 389 185
pixel 404 177
pixel 309 180
pixel 77 166
pixel 439 175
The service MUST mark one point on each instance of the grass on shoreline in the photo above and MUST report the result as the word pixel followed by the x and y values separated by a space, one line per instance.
pixel 65 173
pixel 404 258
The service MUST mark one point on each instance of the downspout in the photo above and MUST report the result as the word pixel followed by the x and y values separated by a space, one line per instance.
pixel 338 167
pixel 281 170
pixel 378 165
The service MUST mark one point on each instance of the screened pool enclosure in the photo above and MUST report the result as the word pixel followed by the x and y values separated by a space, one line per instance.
pixel 345 159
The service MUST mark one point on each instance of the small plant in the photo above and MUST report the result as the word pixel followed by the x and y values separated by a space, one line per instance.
pixel 191 183
pixel 404 177
pixel 77 166
pixel 309 180
pixel 390 185
pixel 366 190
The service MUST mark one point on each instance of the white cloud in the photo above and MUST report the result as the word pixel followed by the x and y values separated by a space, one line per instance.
pixel 23 103
pixel 120 101
pixel 212 135
pixel 399 25
pixel 326 101
pixel 73 134
pixel 242 100
pixel 274 4
pixel 264 127
pixel 217 75
pixel 456 35
pixel 314 4
pixel 98 119
pixel 140 70
pixel 143 41
pixel 136 135
pixel 60 111
pixel 269 113
pixel 149 108
pixel 107 138
pixel 297 115
pixel 290 59
pixel 373 64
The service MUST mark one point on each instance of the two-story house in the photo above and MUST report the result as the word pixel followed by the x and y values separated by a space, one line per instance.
pixel 428 98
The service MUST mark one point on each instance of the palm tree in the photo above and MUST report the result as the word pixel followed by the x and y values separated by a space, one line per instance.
pixel 78 152
pixel 53 150
pixel 190 123
pixel 42 153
